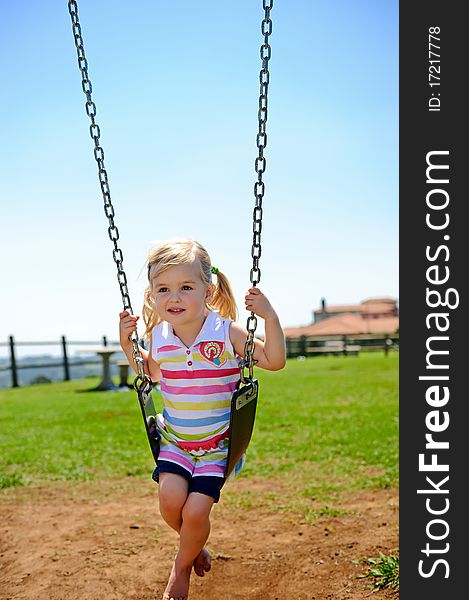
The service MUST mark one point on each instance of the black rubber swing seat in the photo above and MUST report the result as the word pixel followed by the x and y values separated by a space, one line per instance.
pixel 242 417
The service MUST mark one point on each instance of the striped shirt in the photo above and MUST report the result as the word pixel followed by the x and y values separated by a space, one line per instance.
pixel 196 383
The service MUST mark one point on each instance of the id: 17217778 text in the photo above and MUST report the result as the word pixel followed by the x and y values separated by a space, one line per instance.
pixel 434 102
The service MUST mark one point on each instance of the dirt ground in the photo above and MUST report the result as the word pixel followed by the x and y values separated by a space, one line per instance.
pixel 84 542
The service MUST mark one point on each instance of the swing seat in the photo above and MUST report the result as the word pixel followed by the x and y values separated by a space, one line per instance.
pixel 149 416
pixel 242 417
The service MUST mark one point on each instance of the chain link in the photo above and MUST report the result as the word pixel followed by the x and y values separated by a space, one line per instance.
pixel 95 134
pixel 259 186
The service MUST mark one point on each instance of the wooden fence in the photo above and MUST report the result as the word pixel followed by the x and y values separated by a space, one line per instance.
pixel 303 346
pixel 63 361
pixel 345 345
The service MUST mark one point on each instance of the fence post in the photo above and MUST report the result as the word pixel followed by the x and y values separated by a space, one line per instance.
pixel 303 345
pixel 64 352
pixel 344 342
pixel 14 373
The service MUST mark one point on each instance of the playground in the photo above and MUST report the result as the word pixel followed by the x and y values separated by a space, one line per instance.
pixel 318 495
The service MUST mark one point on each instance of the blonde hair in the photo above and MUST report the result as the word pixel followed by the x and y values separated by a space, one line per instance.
pixel 178 252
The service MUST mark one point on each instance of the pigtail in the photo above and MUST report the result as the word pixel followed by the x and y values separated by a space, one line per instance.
pixel 223 300
pixel 149 314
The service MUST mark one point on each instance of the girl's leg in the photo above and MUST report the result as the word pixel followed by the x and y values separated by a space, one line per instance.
pixel 195 527
pixel 193 534
pixel 172 496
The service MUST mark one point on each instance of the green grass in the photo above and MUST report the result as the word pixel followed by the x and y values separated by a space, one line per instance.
pixel 324 426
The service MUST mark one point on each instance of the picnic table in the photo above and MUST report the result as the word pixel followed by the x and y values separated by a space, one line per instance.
pixel 105 352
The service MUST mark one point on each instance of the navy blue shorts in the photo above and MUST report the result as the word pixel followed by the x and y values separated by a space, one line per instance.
pixel 208 485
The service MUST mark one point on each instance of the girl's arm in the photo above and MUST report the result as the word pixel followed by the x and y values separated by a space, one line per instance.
pixel 270 354
pixel 127 325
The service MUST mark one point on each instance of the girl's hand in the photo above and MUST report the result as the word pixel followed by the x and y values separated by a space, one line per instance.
pixel 259 304
pixel 127 325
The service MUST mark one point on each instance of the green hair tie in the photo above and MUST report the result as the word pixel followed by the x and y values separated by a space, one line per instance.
pixel 214 270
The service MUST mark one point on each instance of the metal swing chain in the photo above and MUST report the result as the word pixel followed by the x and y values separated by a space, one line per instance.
pixel 105 189
pixel 259 186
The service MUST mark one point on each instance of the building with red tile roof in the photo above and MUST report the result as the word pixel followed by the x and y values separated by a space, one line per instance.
pixel 373 316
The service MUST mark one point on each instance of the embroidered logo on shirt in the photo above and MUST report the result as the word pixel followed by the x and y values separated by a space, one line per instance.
pixel 213 352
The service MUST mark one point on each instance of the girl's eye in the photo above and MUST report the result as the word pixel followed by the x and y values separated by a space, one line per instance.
pixel 163 289
pixel 186 287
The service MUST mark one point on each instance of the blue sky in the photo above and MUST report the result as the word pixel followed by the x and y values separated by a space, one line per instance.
pixel 176 86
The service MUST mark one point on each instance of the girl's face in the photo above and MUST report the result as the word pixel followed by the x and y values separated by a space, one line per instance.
pixel 180 294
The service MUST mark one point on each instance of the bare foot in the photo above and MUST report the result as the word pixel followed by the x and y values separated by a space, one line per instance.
pixel 203 562
pixel 178 584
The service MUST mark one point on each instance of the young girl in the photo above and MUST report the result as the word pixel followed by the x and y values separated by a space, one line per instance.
pixel 195 353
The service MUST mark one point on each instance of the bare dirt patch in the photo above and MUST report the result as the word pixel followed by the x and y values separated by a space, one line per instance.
pixel 107 541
